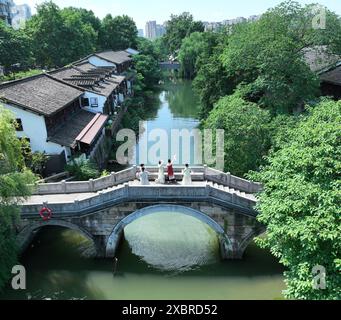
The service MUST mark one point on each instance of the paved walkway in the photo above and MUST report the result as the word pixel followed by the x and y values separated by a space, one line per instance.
pixel 69 198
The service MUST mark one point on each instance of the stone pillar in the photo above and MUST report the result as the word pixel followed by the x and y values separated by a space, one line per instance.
pixel 229 250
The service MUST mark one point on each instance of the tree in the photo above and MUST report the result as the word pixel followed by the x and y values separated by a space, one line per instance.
pixel 118 33
pixel 211 83
pixel 47 33
pixel 60 37
pixel 14 180
pixel 148 70
pixel 80 34
pixel 247 132
pixel 14 47
pixel 269 55
pixel 197 46
pixel 178 28
pixel 300 204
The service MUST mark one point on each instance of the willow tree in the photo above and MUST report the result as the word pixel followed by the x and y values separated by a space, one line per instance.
pixel 14 181
pixel 300 204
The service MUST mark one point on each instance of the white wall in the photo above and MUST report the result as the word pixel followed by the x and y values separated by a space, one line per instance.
pixel 101 102
pixel 34 128
pixel 98 62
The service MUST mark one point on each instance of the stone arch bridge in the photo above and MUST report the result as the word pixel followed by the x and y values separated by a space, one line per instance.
pixel 100 209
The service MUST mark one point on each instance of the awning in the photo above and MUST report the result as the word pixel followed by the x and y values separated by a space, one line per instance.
pixel 90 132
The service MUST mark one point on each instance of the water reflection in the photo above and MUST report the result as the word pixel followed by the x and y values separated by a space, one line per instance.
pixel 165 242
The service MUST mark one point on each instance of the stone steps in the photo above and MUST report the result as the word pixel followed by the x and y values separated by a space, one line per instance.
pixel 232 190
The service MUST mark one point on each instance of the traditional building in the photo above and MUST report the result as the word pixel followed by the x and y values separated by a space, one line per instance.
pixel 50 117
pixel 331 82
pixel 103 90
pixel 121 61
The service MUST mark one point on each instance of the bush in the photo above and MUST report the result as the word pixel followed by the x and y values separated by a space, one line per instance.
pixel 83 169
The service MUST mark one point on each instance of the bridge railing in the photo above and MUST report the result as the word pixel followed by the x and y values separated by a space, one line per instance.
pixel 93 185
pixel 200 173
pixel 153 194
pixel 229 180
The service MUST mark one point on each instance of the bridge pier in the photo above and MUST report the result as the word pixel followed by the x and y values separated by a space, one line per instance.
pixel 100 243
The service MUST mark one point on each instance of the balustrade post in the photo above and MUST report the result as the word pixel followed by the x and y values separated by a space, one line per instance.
pixel 63 183
pixel 228 179
pixel 205 171
pixel 91 185
pixel 126 189
pixel 113 178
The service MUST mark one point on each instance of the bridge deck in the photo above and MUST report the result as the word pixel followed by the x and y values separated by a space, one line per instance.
pixel 69 198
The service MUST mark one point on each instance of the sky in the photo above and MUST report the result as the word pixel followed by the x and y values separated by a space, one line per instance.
pixel 211 10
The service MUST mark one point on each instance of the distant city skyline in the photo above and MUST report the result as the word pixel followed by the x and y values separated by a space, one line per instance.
pixel 150 10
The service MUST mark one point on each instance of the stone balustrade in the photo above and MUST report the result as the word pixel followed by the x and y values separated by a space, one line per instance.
pixel 128 193
pixel 202 173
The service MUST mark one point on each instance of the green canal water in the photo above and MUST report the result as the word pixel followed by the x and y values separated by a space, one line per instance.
pixel 162 256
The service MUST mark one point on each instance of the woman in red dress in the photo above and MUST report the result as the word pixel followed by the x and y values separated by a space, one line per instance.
pixel 170 170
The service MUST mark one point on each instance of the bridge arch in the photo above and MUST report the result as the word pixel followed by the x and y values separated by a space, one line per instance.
pixel 26 235
pixel 226 247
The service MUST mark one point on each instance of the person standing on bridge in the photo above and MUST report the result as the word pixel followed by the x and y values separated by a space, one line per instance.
pixel 161 175
pixel 170 171
pixel 140 171
pixel 144 177
pixel 187 178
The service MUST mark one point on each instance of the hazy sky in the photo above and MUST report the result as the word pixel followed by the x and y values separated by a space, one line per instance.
pixel 209 10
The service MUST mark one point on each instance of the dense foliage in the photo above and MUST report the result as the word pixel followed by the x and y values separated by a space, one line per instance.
pixel 14 180
pixel 247 133
pixel 55 37
pixel 118 33
pixel 266 56
pixel 300 204
pixel 178 28
pixel 83 169
pixel 14 47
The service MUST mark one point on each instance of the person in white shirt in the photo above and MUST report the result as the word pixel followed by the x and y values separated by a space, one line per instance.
pixel 187 178
pixel 144 177
pixel 161 175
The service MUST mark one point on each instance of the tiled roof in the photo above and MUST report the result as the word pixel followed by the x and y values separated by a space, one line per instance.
pixel 41 94
pixel 69 131
pixel 333 76
pixel 117 57
pixel 97 79
pixel 319 59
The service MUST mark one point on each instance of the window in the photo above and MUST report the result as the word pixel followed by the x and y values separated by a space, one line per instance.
pixel 94 102
pixel 18 125
pixel 85 102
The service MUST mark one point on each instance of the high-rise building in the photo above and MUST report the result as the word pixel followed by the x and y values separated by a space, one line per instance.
pixel 150 30
pixel 21 14
pixel 154 30
pixel 140 33
pixel 6 7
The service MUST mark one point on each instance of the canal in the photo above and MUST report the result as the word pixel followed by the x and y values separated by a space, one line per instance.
pixel 163 256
